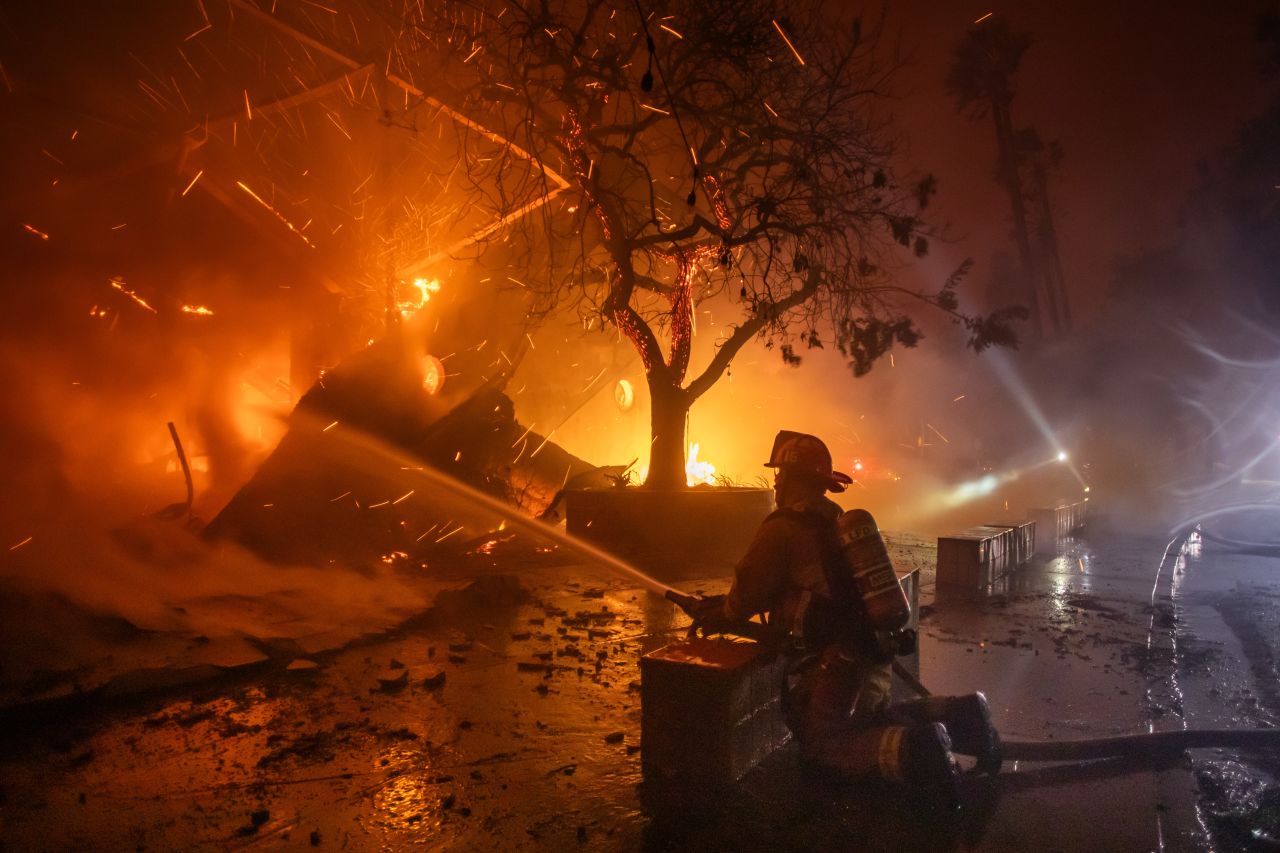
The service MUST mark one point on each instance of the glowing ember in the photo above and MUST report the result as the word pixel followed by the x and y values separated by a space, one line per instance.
pixel 696 472
pixel 199 310
pixel 432 374
pixel 118 284
pixel 31 229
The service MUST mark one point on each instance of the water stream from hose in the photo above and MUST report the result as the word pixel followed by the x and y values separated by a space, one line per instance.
pixel 512 516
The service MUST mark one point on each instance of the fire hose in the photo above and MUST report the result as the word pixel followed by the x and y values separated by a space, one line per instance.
pixel 1152 745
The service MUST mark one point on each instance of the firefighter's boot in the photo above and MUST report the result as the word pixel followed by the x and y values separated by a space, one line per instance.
pixel 917 757
pixel 968 722
pixel 928 766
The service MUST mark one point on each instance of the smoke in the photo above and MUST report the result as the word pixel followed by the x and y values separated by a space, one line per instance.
pixel 160 576
pixel 88 462
pixel 1160 404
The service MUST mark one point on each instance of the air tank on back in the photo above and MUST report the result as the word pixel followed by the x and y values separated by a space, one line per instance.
pixel 883 599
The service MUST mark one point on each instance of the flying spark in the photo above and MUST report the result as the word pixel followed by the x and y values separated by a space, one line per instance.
pixel 193 182
pixel 118 284
pixel 795 52
pixel 275 212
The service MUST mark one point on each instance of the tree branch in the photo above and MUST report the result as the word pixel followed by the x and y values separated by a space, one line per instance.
pixel 748 330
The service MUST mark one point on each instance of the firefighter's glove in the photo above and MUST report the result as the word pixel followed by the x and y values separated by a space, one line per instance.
pixel 708 615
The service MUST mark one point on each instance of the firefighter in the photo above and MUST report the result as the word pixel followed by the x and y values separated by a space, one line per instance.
pixel 837 695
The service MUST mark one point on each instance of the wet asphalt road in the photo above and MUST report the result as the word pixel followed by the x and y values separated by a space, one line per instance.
pixel 518 728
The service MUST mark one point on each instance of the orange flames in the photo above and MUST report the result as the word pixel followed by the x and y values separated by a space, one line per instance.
pixel 421 293
pixel 697 472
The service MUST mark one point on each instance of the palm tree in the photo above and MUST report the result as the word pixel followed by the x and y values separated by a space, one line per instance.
pixel 981 80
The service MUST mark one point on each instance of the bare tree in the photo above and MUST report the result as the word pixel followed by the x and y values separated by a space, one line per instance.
pixel 712 148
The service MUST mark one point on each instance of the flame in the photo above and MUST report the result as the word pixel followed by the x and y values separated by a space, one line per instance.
pixel 423 289
pixel 197 309
pixel 696 472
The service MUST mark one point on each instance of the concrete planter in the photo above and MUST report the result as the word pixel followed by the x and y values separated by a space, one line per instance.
pixel 671 534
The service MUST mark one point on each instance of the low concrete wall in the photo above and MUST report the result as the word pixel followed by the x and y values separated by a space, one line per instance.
pixel 976 557
pixel 1022 544
pixel 1056 522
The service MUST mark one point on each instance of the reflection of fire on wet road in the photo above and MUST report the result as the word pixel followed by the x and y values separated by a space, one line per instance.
pixel 520 723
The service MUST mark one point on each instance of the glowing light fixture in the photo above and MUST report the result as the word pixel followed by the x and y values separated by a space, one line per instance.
pixel 624 395
pixel 1008 376
pixel 432 374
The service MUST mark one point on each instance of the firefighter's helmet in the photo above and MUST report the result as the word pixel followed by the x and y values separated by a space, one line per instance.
pixel 806 454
